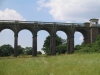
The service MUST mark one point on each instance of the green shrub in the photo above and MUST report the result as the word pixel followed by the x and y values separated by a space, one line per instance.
pixel 6 50
pixel 39 52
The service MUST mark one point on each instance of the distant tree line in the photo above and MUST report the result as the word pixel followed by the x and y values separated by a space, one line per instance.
pixel 7 50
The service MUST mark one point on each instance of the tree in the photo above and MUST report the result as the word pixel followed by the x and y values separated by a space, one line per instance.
pixel 20 49
pixel 39 52
pixel 28 50
pixel 61 49
pixel 46 46
pixel 77 47
pixel 6 50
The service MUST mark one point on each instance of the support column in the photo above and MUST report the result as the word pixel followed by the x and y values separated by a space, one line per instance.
pixel 70 47
pixel 87 40
pixel 94 31
pixel 53 45
pixel 15 45
pixel 34 45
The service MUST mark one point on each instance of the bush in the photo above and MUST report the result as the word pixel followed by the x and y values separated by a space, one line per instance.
pixel 28 51
pixel 20 49
pixel 77 47
pixel 6 50
pixel 39 52
pixel 61 49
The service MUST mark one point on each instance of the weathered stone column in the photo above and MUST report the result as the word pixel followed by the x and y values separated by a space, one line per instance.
pixel 53 44
pixel 94 32
pixel 15 45
pixel 34 45
pixel 70 47
pixel 86 40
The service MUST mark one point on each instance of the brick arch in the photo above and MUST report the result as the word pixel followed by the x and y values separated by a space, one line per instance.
pixel 82 31
pixel 44 28
pixel 7 27
pixel 65 30
pixel 66 34
pixel 26 28
pixel 86 34
pixel 70 38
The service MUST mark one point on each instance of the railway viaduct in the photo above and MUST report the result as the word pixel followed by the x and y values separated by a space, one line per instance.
pixel 89 30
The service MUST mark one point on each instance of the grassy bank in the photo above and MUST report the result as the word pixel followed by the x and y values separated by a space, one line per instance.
pixel 74 64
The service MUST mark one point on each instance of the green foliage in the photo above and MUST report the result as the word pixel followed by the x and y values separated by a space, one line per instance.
pixel 64 41
pixel 6 50
pixel 28 51
pixel 59 41
pixel 47 42
pixel 74 64
pixel 20 50
pixel 39 52
pixel 46 50
pixel 89 48
pixel 61 49
pixel 77 47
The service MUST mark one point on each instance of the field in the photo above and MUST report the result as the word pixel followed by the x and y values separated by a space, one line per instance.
pixel 74 64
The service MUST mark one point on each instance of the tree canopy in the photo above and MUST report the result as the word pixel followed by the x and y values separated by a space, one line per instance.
pixel 60 45
pixel 6 50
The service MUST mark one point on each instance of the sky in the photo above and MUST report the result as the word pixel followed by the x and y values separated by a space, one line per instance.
pixel 67 11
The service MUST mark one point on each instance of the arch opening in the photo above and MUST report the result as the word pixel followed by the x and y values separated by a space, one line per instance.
pixel 7 42
pixel 42 35
pixel 62 47
pixel 78 38
pixel 25 42
pixel 7 37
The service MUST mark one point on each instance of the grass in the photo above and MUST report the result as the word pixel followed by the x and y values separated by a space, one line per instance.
pixel 74 64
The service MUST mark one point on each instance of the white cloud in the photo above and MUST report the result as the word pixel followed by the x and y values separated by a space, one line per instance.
pixel 68 22
pixel 81 38
pixel 10 14
pixel 41 4
pixel 72 10
pixel 38 9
